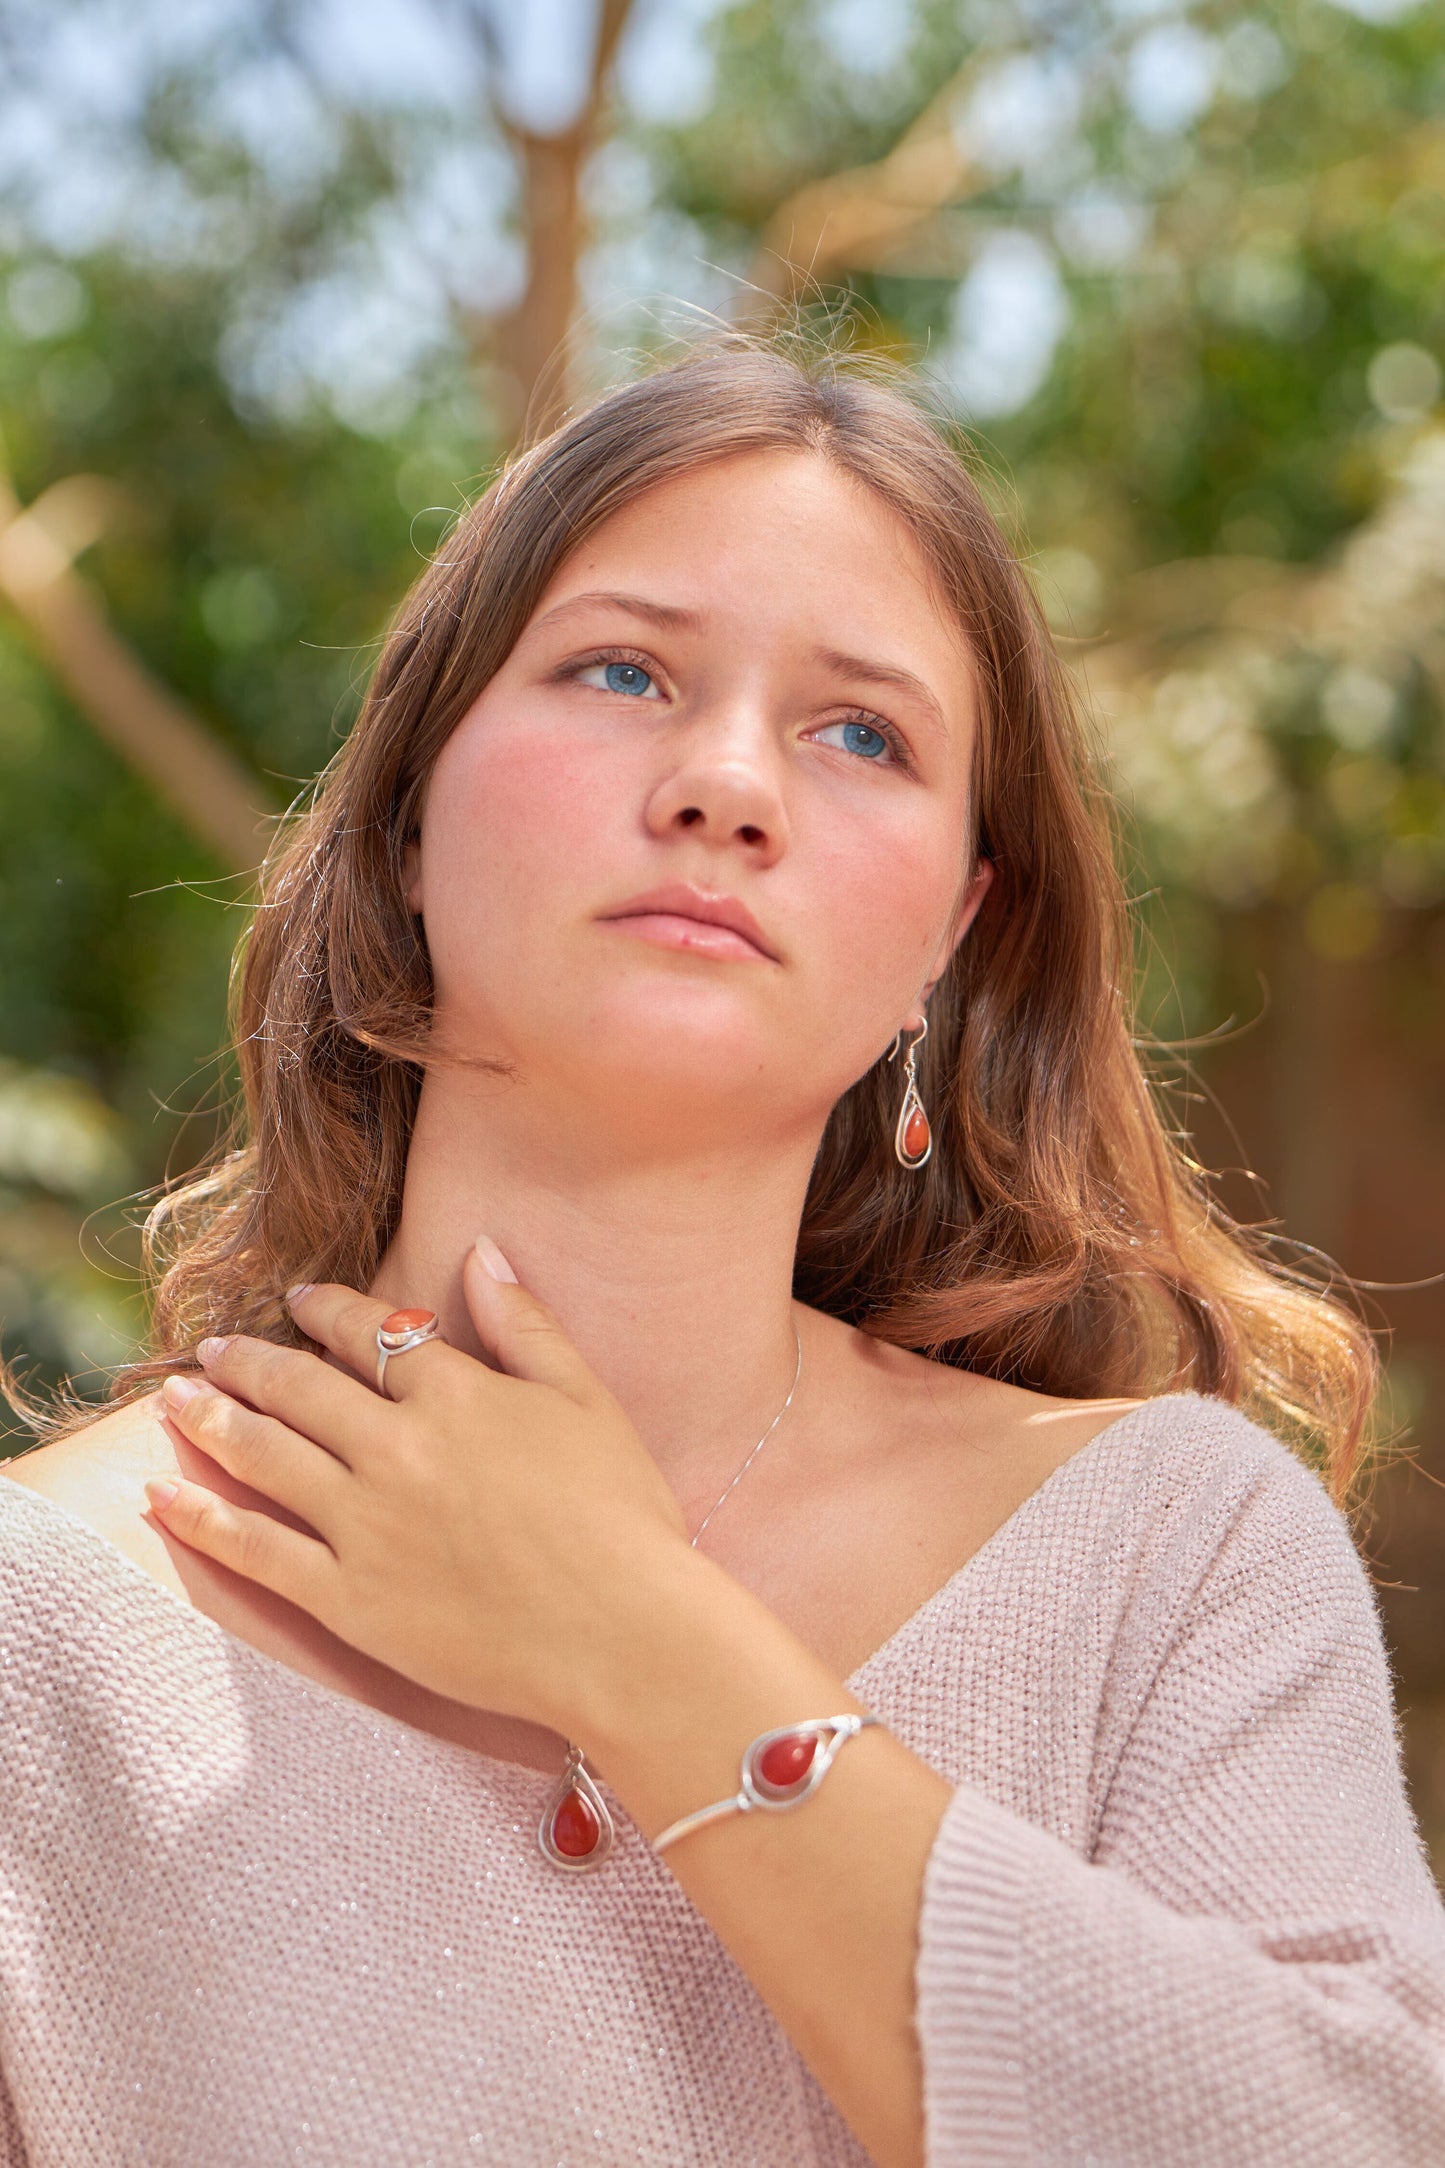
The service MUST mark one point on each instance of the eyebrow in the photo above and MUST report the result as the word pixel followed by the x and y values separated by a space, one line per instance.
pixel 667 614
pixel 882 673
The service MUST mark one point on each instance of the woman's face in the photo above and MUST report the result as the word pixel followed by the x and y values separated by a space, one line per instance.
pixel 741 695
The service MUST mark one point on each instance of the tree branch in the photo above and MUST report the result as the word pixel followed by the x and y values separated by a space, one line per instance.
pixel 855 217
pixel 212 792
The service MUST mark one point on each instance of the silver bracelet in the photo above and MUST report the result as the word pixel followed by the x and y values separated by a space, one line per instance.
pixel 780 1770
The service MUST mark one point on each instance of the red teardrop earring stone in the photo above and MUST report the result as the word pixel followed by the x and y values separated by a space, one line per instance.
pixel 575 1828
pixel 787 1761
pixel 917 1136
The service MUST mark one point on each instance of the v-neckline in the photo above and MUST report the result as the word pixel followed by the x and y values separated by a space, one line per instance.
pixel 127 1569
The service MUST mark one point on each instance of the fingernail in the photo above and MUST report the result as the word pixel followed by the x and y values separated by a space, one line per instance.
pixel 179 1390
pixel 493 1261
pixel 302 1287
pixel 160 1493
pixel 210 1351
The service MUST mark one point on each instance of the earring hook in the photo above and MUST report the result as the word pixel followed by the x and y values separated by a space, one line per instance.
pixel 914 1043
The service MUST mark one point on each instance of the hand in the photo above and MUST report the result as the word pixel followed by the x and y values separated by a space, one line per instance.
pixel 490 1534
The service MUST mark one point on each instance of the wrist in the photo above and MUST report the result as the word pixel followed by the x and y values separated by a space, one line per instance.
pixel 701 1668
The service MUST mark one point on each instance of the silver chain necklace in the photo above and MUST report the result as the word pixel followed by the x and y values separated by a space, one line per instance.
pixel 798 1372
pixel 576 1831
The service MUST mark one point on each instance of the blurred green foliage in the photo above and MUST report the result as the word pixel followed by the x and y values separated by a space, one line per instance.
pixel 1190 301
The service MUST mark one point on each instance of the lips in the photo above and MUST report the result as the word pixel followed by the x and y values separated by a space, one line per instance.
pixel 678 900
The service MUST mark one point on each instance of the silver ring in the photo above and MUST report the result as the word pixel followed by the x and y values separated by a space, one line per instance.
pixel 401 1330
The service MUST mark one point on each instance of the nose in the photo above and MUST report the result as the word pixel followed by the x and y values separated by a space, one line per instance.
pixel 723 787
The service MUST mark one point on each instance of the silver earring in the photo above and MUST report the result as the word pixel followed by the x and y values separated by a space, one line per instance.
pixel 913 1133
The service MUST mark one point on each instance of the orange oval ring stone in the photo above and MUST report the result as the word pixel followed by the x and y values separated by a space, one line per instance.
pixel 408 1321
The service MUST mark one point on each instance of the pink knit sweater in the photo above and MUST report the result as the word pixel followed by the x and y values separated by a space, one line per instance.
pixel 1177 1914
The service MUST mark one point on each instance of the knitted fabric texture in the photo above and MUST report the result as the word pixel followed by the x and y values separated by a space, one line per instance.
pixel 1177 1915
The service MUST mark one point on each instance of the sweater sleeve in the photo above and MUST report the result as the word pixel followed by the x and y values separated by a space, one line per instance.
pixel 1249 1965
pixel 12 2145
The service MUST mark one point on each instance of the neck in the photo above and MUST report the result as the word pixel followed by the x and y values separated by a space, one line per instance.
pixel 673 1280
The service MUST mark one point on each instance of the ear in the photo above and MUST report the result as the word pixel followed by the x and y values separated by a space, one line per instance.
pixel 968 909
pixel 411 877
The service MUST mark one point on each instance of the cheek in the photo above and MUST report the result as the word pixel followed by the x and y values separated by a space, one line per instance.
pixel 512 828
pixel 887 891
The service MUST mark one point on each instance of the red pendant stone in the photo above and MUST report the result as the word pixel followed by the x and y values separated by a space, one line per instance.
pixel 917 1136
pixel 787 1761
pixel 575 1827
pixel 408 1320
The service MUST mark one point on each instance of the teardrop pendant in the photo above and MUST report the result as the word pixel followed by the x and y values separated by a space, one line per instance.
pixel 787 1761
pixel 576 1830
pixel 912 1138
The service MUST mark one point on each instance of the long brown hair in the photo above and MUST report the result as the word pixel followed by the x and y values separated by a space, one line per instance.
pixel 1060 1238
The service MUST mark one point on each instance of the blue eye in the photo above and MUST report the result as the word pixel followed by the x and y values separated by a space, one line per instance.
pixel 622 677
pixel 619 674
pixel 860 738
pixel 627 677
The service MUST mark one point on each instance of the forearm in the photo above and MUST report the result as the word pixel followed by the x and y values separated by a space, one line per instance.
pixel 819 1906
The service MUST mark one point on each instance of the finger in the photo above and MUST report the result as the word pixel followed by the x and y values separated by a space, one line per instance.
pixel 347 1324
pixel 297 1388
pixel 520 1331
pixel 265 1455
pixel 297 1567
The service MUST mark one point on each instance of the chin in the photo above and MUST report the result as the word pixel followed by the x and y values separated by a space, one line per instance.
pixel 685 1058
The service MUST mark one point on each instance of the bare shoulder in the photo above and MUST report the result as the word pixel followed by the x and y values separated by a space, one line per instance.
pixel 900 1472
pixel 948 1454
pixel 969 1416
pixel 97 1474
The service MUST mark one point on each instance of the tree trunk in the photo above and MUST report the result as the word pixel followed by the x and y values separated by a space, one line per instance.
pixel 530 344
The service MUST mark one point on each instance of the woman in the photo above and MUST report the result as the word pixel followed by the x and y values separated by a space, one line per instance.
pixel 721 754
